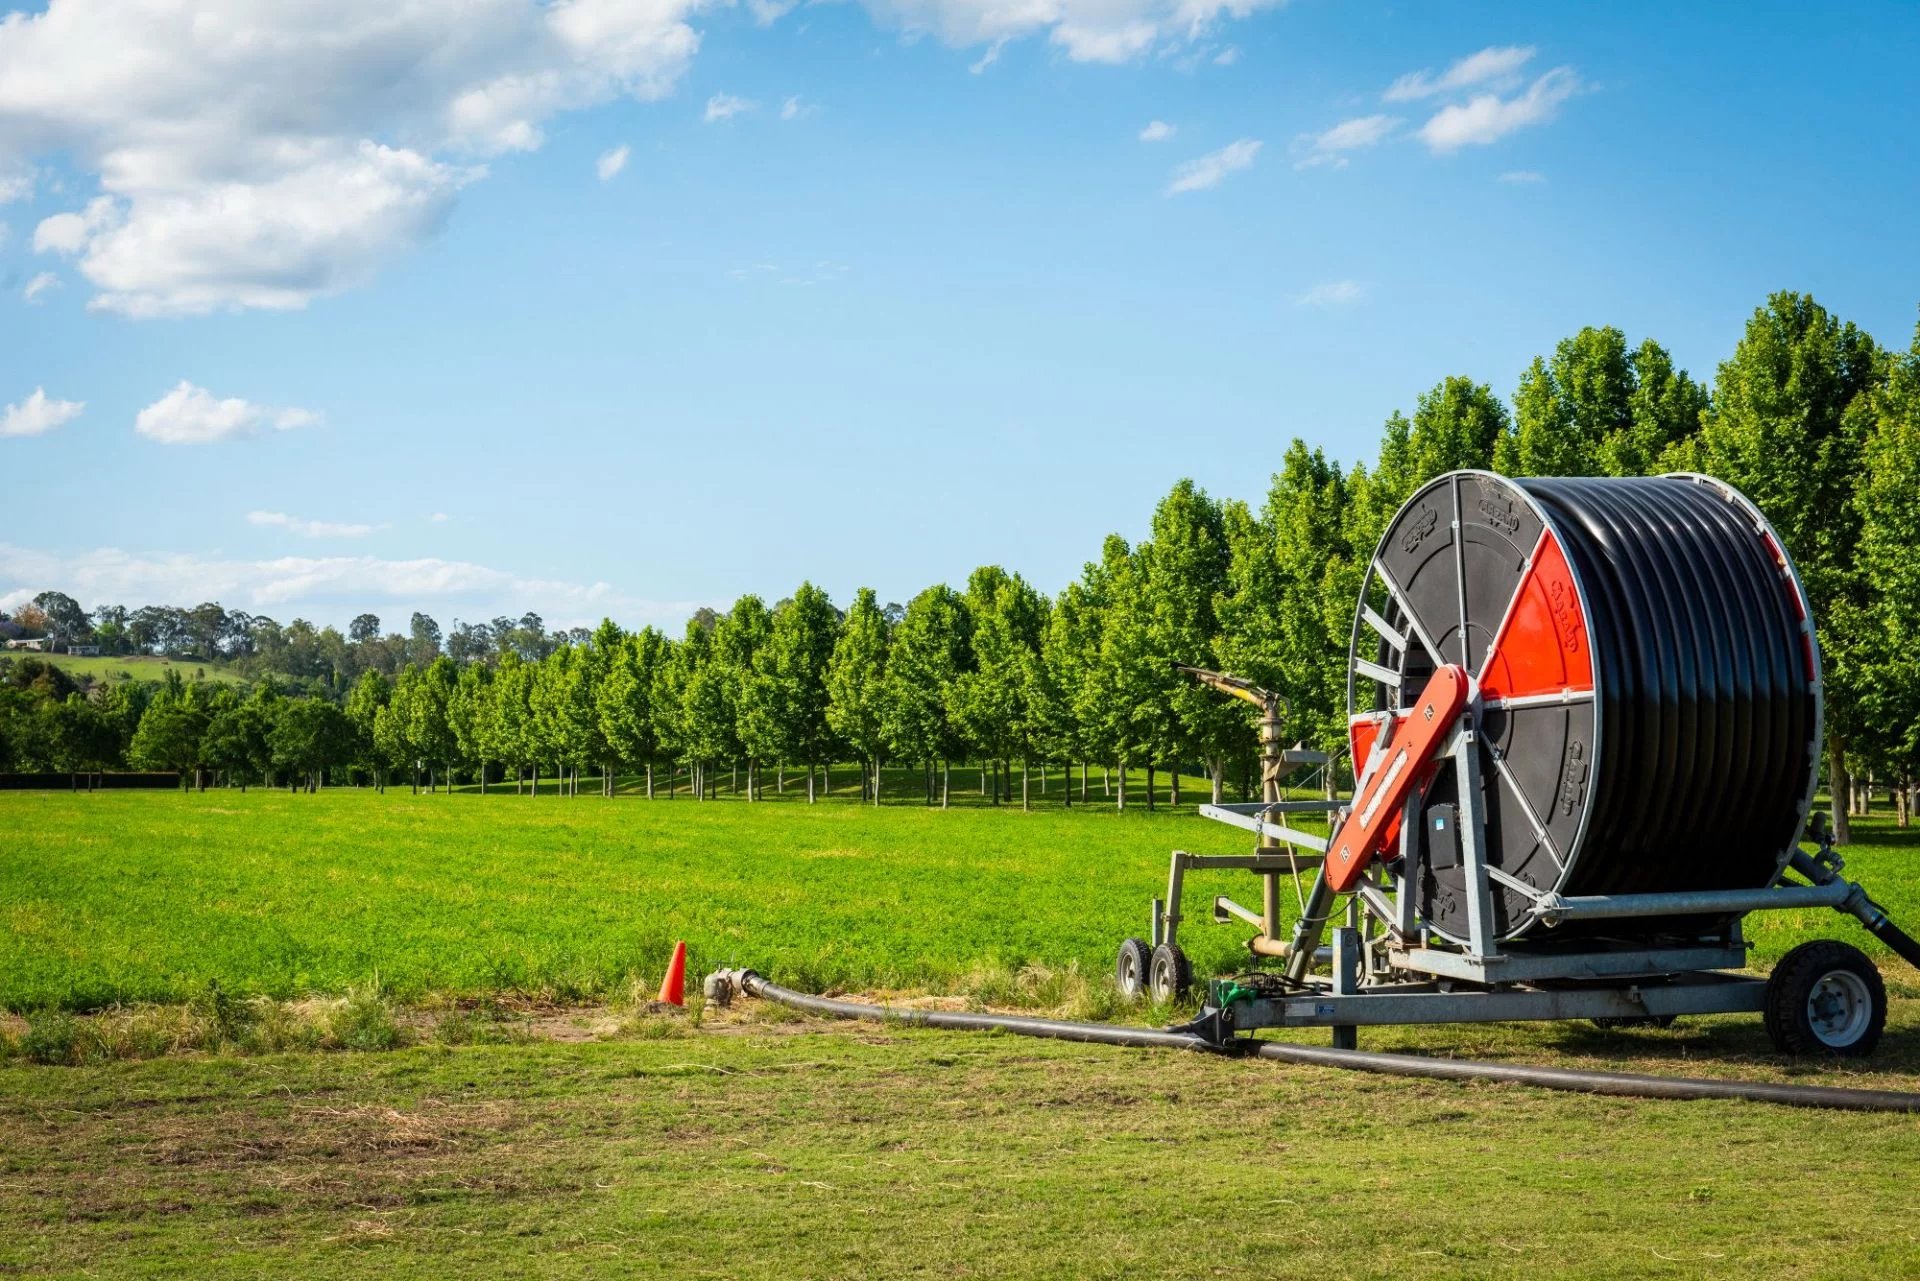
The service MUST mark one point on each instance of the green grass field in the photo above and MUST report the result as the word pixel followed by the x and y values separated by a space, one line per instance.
pixel 125 896
pixel 530 1139
pixel 143 668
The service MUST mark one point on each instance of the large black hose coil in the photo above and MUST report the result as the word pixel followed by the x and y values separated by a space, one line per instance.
pixel 1649 714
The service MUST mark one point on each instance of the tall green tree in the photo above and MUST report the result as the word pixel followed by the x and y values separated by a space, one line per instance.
pixel 1187 578
pixel 1791 408
pixel 1889 563
pixel 931 650
pixel 739 643
pixel 470 718
pixel 857 686
pixel 987 699
pixel 795 663
pixel 309 737
pixel 370 693
pixel 1595 408
pixel 625 701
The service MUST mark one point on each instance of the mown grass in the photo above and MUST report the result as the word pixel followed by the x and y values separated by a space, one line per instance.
pixel 795 1152
pixel 475 1135
pixel 118 898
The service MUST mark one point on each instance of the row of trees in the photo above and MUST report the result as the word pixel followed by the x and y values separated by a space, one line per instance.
pixel 1819 425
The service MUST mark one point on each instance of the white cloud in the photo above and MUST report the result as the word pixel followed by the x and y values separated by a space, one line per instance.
pixel 793 108
pixel 725 106
pixel 37 414
pixel 438 518
pixel 1158 131
pixel 190 415
pixel 767 12
pixel 1335 293
pixel 1522 176
pixel 309 528
pixel 327 586
pixel 40 284
pixel 1489 117
pixel 261 153
pixel 1330 147
pixel 1209 170
pixel 1227 56
pixel 1110 31
pixel 1497 64
pixel 612 162
pixel 16 183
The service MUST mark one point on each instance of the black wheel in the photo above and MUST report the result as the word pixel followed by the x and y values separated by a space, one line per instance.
pixel 1171 974
pixel 1130 971
pixel 1635 1020
pixel 1826 997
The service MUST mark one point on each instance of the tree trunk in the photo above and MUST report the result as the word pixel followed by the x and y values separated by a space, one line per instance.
pixel 1216 769
pixel 1023 784
pixel 649 780
pixel 1149 787
pixel 1106 780
pixel 1066 785
pixel 1121 803
pixel 809 782
pixel 1174 770
pixel 876 781
pixel 946 783
pixel 1083 782
pixel 1839 784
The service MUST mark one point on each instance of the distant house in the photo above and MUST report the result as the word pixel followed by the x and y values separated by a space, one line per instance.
pixel 37 643
pixel 84 651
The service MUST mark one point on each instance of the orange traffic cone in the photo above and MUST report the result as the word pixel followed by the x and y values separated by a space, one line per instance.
pixel 673 988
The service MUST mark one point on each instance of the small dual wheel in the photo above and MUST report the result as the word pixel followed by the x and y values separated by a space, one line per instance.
pixel 1826 997
pixel 1163 972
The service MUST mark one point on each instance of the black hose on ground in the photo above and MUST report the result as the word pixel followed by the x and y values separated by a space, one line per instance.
pixel 1630 1084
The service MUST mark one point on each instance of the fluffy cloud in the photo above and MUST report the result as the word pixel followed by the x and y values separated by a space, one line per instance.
pixel 37 414
pixel 308 528
pixel 1330 147
pixel 39 285
pixel 612 162
pixel 190 415
pixel 725 106
pixel 1489 117
pixel 1210 170
pixel 1335 293
pixel 1495 65
pixel 261 153
pixel 1158 131
pixel 328 587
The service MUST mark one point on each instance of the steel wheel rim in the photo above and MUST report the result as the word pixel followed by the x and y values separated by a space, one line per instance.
pixel 1839 1008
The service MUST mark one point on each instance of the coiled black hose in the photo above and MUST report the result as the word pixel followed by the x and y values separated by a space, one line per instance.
pixel 1629 1084
pixel 1708 700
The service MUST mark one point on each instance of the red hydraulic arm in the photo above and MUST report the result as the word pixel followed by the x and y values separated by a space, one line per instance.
pixel 1414 738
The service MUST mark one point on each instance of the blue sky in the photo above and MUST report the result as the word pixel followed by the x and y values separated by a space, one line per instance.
pixel 880 292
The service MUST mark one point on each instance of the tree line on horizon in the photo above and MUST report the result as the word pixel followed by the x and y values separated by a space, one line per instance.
pixel 1809 417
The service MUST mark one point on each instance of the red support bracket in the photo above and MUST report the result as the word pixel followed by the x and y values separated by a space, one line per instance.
pixel 1406 762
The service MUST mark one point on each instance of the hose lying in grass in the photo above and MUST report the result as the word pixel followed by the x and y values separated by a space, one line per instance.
pixel 722 984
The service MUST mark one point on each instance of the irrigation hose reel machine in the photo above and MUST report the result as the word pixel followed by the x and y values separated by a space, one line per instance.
pixel 1585 721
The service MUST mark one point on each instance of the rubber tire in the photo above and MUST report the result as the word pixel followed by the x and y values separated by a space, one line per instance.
pixel 1793 981
pixel 1171 975
pixel 1131 968
pixel 1634 1020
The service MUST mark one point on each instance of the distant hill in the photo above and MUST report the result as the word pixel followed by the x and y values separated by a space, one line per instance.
pixel 142 668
